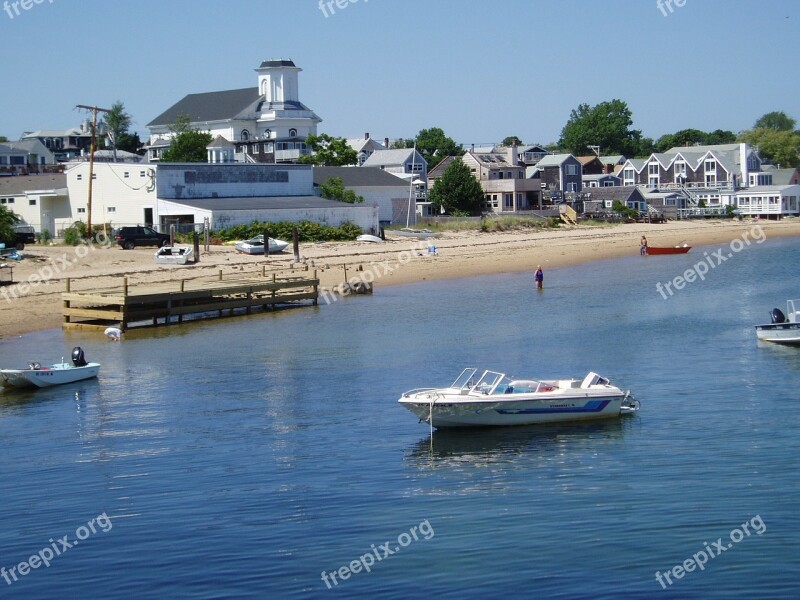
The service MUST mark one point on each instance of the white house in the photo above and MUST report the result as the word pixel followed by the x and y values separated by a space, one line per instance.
pixel 769 201
pixel 184 194
pixel 387 192
pixel 266 123
pixel 402 162
pixel 40 200
pixel 365 146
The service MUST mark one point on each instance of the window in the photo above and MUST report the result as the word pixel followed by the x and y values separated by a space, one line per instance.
pixel 415 167
pixel 499 175
pixel 521 175
pixel 17 160
pixel 245 135
pixel 268 133
pixel 2 200
pixel 141 173
pixel 127 174
pixel 11 201
pixel 293 133
pixel 572 169
pixel 572 186
pixel 81 211
pixel 32 202
pixel 94 175
pixel 112 209
pixel 628 177
pixel 508 201
pixel 3 160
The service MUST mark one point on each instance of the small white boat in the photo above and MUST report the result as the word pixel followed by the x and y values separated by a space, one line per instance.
pixel 784 329
pixel 174 255
pixel 366 237
pixel 38 376
pixel 256 245
pixel 494 399
pixel 422 234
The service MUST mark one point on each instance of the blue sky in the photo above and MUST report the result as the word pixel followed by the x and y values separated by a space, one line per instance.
pixel 480 70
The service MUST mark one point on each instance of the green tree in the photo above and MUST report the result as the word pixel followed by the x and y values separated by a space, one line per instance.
pixel 188 145
pixel 401 144
pixel 334 189
pixel 434 145
pixel 130 142
pixel 511 140
pixel 777 120
pixel 329 151
pixel 691 137
pixel 3 138
pixel 456 190
pixel 7 221
pixel 781 147
pixel 116 123
pixel 607 125
pixel 720 136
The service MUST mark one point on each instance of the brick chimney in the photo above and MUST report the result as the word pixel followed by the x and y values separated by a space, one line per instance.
pixel 366 135
pixel 386 143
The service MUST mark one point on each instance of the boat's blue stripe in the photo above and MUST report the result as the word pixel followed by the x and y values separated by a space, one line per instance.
pixel 592 406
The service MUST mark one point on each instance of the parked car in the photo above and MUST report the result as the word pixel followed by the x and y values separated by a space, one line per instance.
pixel 130 237
pixel 23 234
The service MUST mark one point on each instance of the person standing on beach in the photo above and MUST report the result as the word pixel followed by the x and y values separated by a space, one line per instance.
pixel 643 246
pixel 539 277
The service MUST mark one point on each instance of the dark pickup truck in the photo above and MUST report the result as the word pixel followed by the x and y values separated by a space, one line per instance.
pixel 24 234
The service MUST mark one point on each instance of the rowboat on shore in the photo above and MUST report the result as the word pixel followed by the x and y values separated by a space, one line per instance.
pixel 651 250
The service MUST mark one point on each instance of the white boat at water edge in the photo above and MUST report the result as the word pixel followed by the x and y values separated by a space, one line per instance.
pixel 422 234
pixel 174 255
pixel 784 329
pixel 60 373
pixel 494 399
pixel 255 245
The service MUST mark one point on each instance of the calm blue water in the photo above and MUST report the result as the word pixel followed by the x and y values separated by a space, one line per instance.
pixel 242 458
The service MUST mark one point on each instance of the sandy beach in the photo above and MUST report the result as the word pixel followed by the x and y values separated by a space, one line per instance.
pixel 33 302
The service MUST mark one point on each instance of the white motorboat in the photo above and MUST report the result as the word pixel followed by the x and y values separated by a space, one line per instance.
pixel 256 245
pixel 784 329
pixel 494 399
pixel 174 255
pixel 38 376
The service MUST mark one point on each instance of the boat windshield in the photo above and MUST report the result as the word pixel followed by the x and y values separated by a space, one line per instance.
pixel 466 379
pixel 488 382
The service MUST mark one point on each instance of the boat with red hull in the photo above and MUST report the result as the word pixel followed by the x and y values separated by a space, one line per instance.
pixel 668 249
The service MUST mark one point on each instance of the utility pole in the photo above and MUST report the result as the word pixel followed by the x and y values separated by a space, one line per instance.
pixel 94 110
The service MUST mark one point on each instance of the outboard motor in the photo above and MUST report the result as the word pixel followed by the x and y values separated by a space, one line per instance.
pixel 777 316
pixel 77 357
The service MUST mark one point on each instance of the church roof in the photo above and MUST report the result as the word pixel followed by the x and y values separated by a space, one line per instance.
pixel 277 63
pixel 209 106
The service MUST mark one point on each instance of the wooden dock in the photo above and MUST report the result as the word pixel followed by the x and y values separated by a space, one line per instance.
pixel 147 304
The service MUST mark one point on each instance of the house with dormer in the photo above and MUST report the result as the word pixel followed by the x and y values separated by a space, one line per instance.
pixel 503 181
pixel 267 123
pixel 559 175
pixel 365 146
pixel 406 163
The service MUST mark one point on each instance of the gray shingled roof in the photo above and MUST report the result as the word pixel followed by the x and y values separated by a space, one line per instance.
pixel 621 193
pixel 358 177
pixel 782 176
pixel 256 203
pixel 282 62
pixel 553 160
pixel 391 157
pixel 209 106
pixel 18 185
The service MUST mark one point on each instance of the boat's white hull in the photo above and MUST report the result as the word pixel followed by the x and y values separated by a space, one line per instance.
pixel 366 237
pixel 173 255
pixel 460 411
pixel 249 247
pixel 48 376
pixel 779 333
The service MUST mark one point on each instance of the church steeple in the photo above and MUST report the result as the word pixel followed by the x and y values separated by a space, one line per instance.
pixel 277 81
